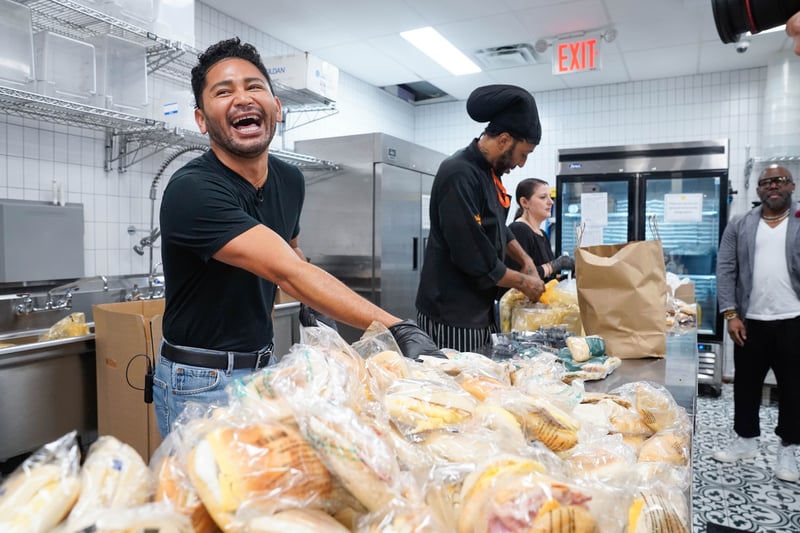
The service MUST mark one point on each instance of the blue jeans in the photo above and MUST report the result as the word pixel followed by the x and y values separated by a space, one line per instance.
pixel 175 385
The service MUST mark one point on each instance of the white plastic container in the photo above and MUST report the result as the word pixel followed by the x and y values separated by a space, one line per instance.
pixel 65 68
pixel 16 44
pixel 174 20
pixel 176 108
pixel 121 74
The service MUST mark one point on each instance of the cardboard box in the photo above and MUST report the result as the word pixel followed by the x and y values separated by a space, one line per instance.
pixel 124 334
pixel 306 73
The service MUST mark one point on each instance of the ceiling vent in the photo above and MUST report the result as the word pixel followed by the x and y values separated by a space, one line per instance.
pixel 509 56
pixel 419 92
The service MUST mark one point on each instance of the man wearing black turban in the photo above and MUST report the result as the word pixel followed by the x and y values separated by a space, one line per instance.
pixel 469 238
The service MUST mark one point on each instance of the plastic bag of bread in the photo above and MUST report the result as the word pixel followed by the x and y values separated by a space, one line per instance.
pixel 254 467
pixel 160 517
pixel 384 368
pixel 604 459
pixel 541 420
pixel 72 325
pixel 335 348
pixel 512 299
pixel 668 446
pixel 401 518
pixel 655 510
pixel 305 372
pixel 376 338
pixel 355 453
pixel 114 476
pixel 418 405
pixel 456 364
pixel 655 404
pixel 173 485
pixel 515 493
pixel 296 521
pixel 41 491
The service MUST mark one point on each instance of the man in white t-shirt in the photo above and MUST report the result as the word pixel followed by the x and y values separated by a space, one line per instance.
pixel 758 286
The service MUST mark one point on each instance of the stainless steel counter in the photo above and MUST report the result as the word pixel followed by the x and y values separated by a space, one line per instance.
pixel 677 371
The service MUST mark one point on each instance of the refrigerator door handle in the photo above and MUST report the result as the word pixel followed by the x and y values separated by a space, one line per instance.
pixel 415 253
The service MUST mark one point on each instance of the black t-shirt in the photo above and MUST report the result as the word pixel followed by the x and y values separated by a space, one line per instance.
pixel 536 246
pixel 210 304
pixel 467 243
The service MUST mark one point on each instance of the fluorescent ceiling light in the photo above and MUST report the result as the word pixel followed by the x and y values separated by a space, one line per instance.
pixel 431 43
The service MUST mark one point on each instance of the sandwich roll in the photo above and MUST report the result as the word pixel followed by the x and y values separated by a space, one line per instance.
pixel 356 455
pixel 481 483
pixel 656 406
pixel 234 465
pixel 35 500
pixel 565 519
pixel 173 486
pixel 114 476
pixel 667 446
pixel 652 512
pixel 417 405
pixel 546 423
pixel 156 517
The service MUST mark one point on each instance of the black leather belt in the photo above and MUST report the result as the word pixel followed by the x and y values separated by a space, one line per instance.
pixel 215 358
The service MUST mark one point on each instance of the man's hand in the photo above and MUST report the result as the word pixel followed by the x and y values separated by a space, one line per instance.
pixel 532 287
pixel 412 341
pixel 737 331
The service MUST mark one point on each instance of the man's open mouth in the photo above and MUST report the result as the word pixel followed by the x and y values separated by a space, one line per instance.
pixel 247 123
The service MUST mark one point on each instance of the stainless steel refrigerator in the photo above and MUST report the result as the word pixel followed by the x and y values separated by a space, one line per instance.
pixel 367 222
pixel 678 190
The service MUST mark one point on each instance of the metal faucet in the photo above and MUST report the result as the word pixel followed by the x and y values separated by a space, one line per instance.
pixel 27 307
pixel 147 241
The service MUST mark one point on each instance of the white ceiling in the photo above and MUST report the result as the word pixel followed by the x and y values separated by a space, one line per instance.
pixel 655 38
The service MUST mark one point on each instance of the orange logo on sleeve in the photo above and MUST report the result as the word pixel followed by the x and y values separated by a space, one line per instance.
pixel 478 220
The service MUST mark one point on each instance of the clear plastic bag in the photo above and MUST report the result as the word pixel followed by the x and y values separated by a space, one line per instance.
pixel 42 490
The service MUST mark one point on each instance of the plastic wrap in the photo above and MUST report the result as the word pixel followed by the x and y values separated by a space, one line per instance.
pixel 296 521
pixel 114 476
pixel 541 420
pixel 518 497
pixel 43 489
pixel 72 325
pixel 173 485
pixel 161 517
pixel 655 404
pixel 355 453
pixel 417 405
pixel 512 299
pixel 658 510
pixel 243 470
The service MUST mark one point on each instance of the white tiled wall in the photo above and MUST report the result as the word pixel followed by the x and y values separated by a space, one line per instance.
pixel 713 106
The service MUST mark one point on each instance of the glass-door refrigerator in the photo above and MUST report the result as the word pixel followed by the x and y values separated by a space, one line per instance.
pixel 677 192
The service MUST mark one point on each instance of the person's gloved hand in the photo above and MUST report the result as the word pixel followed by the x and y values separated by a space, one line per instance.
pixel 311 318
pixel 562 262
pixel 412 341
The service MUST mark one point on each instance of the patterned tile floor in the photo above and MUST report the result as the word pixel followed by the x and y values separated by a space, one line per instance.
pixel 743 495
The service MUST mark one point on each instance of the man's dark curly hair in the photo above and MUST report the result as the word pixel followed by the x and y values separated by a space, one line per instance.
pixel 217 52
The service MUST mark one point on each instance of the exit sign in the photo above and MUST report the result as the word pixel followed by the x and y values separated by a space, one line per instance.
pixel 577 56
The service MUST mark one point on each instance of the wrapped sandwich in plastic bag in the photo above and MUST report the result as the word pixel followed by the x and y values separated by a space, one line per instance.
pixel 43 489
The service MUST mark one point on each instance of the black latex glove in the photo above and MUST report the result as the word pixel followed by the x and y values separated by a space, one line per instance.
pixel 562 262
pixel 311 318
pixel 412 341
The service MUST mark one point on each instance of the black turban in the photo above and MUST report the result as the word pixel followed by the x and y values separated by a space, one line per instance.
pixel 507 108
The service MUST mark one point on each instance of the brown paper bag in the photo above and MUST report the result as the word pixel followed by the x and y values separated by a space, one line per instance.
pixel 622 297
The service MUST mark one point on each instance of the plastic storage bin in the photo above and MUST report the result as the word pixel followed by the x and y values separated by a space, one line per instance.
pixel 65 68
pixel 121 74
pixel 176 108
pixel 16 44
